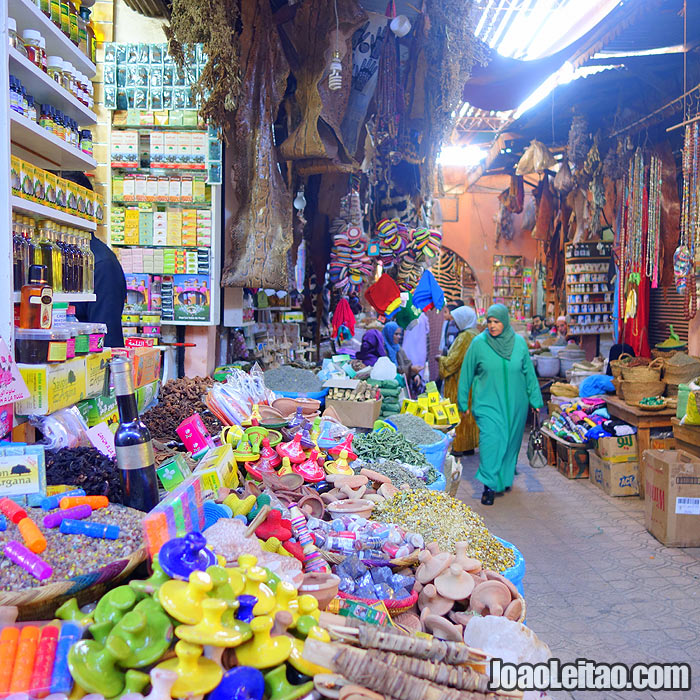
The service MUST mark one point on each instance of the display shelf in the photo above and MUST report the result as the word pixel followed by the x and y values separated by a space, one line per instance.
pixel 30 141
pixel 70 297
pixel 45 90
pixel 29 16
pixel 44 212
pixel 163 322
pixel 184 205
pixel 586 257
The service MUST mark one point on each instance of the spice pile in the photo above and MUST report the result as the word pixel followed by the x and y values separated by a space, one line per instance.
pixel 389 445
pixel 415 429
pixel 180 398
pixel 85 468
pixel 440 518
pixel 399 475
pixel 74 555
pixel 292 380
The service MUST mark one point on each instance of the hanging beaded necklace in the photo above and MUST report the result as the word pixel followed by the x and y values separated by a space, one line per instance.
pixel 684 256
pixel 653 222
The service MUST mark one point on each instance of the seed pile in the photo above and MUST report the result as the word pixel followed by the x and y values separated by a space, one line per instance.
pixel 85 468
pixel 415 429
pixel 398 474
pixel 389 445
pixel 292 380
pixel 74 555
pixel 441 518
pixel 180 398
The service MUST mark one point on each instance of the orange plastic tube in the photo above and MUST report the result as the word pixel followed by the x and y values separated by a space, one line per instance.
pixel 9 637
pixel 24 661
pixel 33 537
pixel 94 502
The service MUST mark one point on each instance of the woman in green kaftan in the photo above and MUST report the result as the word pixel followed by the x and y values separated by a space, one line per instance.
pixel 499 371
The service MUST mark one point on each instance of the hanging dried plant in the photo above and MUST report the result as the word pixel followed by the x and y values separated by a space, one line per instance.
pixel 579 140
pixel 215 25
pixel 615 161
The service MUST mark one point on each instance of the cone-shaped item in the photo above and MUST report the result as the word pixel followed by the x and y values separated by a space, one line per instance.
pixel 293 450
pixel 346 445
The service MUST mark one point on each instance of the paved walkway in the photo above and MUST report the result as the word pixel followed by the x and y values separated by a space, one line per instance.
pixel 598 585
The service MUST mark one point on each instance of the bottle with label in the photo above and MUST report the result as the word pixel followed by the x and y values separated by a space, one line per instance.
pixel 132 443
pixel 36 303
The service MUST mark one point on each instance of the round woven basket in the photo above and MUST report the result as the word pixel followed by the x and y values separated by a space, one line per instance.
pixel 634 391
pixel 41 602
pixel 395 607
pixel 646 407
pixel 617 365
pixel 643 373
pixel 681 374
pixel 410 560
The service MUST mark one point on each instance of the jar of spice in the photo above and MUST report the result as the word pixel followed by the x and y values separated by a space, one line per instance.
pixel 42 45
pixel 54 68
pixel 15 41
pixel 69 76
pixel 86 141
pixel 32 43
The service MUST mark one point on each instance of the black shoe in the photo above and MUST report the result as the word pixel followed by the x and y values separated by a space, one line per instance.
pixel 508 489
pixel 487 496
pixel 468 453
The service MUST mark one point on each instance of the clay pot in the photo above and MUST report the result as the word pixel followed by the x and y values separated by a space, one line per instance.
pixel 455 583
pixel 312 505
pixel 357 692
pixel 514 609
pixel 269 414
pixel 251 488
pixel 288 407
pixel 490 598
pixel 388 491
pixel 469 564
pixel 432 565
pixel 332 496
pixel 430 598
pixel 375 476
pixel 353 493
pixel 322 586
pixel 351 506
pixel 433 547
pixel 442 629
pixel 495 576
pixel 330 412
pixel 353 482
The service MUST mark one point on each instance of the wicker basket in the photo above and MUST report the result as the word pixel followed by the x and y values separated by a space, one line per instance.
pixel 41 602
pixel 617 365
pixel 681 374
pixel 634 391
pixel 410 560
pixel 643 373
pixel 395 607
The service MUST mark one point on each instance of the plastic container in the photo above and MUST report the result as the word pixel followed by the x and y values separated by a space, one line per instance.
pixel 35 346
pixel 440 484
pixel 547 366
pixel 516 573
pixel 32 44
pixel 319 395
pixel 82 337
pixel 97 337
pixel 436 453
pixel 15 41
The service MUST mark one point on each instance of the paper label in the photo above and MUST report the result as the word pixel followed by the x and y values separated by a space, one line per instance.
pixel 12 385
pixel 102 439
pixel 19 475
pixel 687 506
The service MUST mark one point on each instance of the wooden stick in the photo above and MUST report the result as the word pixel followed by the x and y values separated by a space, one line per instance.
pixel 259 519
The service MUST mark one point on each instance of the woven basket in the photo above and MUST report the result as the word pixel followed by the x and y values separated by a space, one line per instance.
pixel 644 373
pixel 41 602
pixel 395 607
pixel 634 391
pixel 617 365
pixel 681 374
pixel 671 390
pixel 645 407
pixel 410 560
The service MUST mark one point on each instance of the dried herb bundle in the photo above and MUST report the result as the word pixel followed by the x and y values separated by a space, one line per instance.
pixel 215 25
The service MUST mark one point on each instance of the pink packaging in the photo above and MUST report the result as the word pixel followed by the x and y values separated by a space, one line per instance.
pixel 195 435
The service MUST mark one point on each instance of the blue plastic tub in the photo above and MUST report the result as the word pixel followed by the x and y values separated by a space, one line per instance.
pixel 436 453
pixel 320 395
pixel 516 573
pixel 439 484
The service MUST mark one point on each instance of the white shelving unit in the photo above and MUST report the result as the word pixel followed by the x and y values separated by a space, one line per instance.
pixel 27 140
pixel 64 296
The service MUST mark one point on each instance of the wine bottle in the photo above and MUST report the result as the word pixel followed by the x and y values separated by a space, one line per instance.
pixel 132 443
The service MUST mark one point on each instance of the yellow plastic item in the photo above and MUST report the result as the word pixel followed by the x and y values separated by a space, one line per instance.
pixel 264 651
pixel 282 551
pixel 209 629
pixel 231 434
pixel 308 605
pixel 296 657
pixel 246 561
pixel 255 585
pixel 340 465
pixel 240 506
pixel 195 675
pixel 272 545
pixel 183 600
pixel 287 599
pixel 286 467
pixel 692 415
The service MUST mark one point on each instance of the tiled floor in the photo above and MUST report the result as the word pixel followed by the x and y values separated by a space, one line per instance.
pixel 598 585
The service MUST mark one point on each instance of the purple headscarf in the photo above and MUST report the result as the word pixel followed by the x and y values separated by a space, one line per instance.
pixel 372 347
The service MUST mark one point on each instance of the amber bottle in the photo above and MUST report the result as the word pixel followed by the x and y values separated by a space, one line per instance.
pixel 36 302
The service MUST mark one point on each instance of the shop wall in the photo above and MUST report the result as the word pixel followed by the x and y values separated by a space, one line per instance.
pixel 473 235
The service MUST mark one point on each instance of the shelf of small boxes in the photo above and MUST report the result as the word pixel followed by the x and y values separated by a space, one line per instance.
pixel 589 296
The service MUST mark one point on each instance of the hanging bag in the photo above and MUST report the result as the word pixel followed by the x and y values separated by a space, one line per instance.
pixel 536 448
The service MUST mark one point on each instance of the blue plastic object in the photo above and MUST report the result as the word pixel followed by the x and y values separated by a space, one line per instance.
pixel 61 679
pixel 3 523
pixel 246 603
pixel 51 502
pixel 213 512
pixel 516 573
pixel 596 385
pixel 102 531
pixel 320 395
pixel 440 484
pixel 436 453
pixel 181 556
pixel 240 683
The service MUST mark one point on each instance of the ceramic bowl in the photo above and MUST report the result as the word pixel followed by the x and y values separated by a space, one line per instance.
pixel 351 506
pixel 322 586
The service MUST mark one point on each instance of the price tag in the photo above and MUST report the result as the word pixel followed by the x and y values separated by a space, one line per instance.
pixel 687 506
pixel 102 438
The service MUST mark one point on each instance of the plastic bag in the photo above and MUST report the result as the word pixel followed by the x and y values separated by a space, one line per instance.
pixel 64 428
pixel 563 180
pixel 529 215
pixel 383 368
pixel 536 159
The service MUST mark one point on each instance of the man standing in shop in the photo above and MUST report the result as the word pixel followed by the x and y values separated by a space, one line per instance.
pixel 110 284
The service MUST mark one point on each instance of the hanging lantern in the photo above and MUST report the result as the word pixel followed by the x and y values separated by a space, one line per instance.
pixel 335 77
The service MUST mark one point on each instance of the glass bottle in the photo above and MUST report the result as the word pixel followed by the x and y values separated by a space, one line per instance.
pixel 79 264
pixel 30 242
pixel 15 41
pixel 66 260
pixel 31 39
pixel 18 255
pixel 43 54
pixel 56 260
pixel 36 302
pixel 54 68
pixel 90 286
pixel 45 250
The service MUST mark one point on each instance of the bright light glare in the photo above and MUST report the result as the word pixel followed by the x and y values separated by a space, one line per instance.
pixel 467 156
pixel 664 50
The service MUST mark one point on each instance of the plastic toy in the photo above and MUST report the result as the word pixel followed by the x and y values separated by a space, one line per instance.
pixel 310 468
pixel 30 562
pixel 269 454
pixel 263 651
pixel 24 659
pixel 134 682
pixel 306 441
pixel 94 667
pixel 292 450
pixel 246 603
pixel 277 687
pixel 89 529
pixel 151 585
pixel 52 502
pixel 61 680
pixel 114 604
pixel 181 556
pixel 183 601
pixel 256 585
pixel 195 675
pixel 43 664
pixel 240 683
pixel 95 502
pixel 76 513
pixel 286 598
pixel 240 506
pixel 286 467
pixel 346 445
pixel 12 510
pixel 210 630
pixel 340 465
pixel 148 636
pixel 9 639
pixel 274 526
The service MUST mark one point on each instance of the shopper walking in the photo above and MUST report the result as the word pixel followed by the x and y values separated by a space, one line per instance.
pixel 467 432
pixel 498 369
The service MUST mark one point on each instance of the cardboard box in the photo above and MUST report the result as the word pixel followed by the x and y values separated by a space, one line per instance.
pixel 572 460
pixel 357 414
pixel 618 449
pixel 100 409
pixel 52 386
pixel 662 443
pixel 672 497
pixel 146 365
pixel 96 364
pixel 614 478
